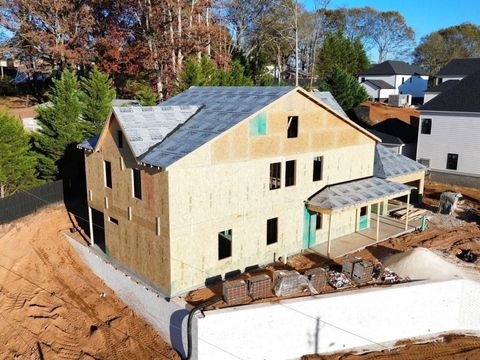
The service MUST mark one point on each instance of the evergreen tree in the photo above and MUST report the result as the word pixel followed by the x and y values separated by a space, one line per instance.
pixel 237 75
pixel 17 162
pixel 97 95
pixel 338 51
pixel 345 88
pixel 61 125
pixel 206 73
pixel 146 96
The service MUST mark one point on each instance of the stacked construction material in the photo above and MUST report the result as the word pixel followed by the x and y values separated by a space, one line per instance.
pixel 260 286
pixel 349 264
pixel 338 280
pixel 317 277
pixel 235 292
pixel 291 282
pixel 362 272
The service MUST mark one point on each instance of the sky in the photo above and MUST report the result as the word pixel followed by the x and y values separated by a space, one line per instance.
pixel 424 16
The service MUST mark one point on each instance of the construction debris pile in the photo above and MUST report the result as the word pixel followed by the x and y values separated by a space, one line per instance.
pixel 355 271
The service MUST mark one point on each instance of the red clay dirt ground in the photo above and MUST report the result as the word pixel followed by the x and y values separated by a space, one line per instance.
pixel 380 112
pixel 53 307
pixel 449 347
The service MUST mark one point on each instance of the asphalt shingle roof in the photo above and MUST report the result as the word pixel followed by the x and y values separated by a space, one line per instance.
pixel 444 86
pixel 388 164
pixel 462 98
pixel 222 107
pixel 380 84
pixel 340 196
pixel 393 67
pixel 460 67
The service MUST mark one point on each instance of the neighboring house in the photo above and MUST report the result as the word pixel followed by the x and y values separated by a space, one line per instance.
pixel 449 132
pixel 457 69
pixel 28 118
pixel 394 78
pixel 391 142
pixel 430 93
pixel 219 179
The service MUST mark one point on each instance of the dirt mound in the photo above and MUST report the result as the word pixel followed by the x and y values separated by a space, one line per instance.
pixel 52 306
pixel 421 263
pixel 449 347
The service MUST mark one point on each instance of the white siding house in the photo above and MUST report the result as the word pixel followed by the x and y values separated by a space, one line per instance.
pixel 394 78
pixel 457 69
pixel 449 133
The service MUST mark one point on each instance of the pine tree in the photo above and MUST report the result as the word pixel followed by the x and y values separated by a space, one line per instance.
pixel 339 51
pixel 237 75
pixel 145 96
pixel 97 95
pixel 61 125
pixel 17 162
pixel 345 88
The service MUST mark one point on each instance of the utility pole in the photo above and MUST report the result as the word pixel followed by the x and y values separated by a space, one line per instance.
pixel 296 41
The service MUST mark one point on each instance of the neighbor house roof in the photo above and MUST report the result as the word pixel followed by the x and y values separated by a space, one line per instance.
pixel 460 67
pixel 462 98
pixel 356 192
pixel 327 98
pixel 380 84
pixel 442 87
pixel 393 67
pixel 387 138
pixel 388 164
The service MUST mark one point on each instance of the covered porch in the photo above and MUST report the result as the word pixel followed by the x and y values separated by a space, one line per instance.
pixel 354 215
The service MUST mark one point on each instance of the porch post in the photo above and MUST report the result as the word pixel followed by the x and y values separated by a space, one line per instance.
pixel 329 233
pixel 408 208
pixel 90 224
pixel 378 221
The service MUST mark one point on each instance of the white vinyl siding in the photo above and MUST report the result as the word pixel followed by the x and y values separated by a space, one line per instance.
pixel 455 134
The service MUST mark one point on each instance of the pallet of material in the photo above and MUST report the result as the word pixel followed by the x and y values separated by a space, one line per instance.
pixel 413 214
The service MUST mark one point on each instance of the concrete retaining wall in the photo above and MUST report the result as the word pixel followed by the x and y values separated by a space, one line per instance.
pixel 327 323
pixel 455 179
pixel 168 318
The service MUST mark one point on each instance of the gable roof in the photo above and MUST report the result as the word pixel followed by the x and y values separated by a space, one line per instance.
pixel 222 108
pixel 394 67
pixel 145 126
pixel 389 164
pixel 460 67
pixel 89 144
pixel 159 136
pixel 379 84
pixel 442 87
pixel 463 97
pixel 327 98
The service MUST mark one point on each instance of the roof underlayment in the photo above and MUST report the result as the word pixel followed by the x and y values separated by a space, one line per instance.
pixel 146 126
pixel 390 164
pixel 327 98
pixel 352 193
pixel 222 108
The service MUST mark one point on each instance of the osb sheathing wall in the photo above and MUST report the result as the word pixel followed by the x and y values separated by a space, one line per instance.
pixel 133 242
pixel 225 185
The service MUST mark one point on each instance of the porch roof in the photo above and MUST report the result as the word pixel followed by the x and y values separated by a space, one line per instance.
pixel 356 193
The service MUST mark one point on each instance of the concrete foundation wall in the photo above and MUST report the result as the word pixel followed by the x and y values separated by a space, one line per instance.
pixel 329 323
pixel 471 181
pixel 168 318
